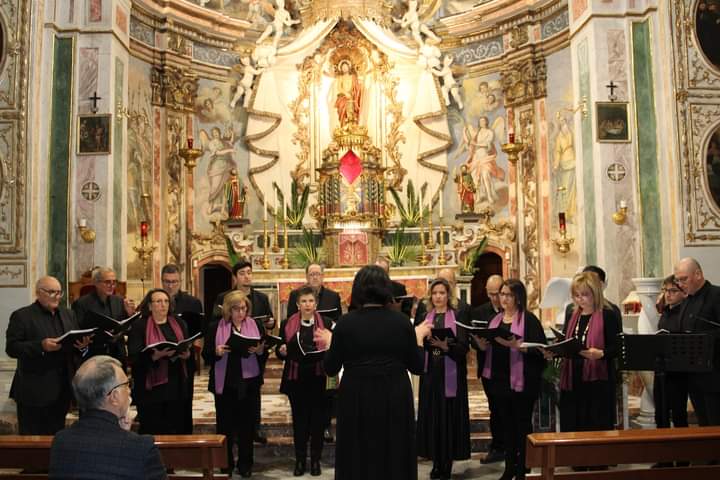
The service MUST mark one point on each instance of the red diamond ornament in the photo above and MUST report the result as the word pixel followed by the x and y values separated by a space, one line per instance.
pixel 350 166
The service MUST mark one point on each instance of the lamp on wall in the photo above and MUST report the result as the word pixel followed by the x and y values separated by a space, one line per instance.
pixel 620 215
pixel 86 233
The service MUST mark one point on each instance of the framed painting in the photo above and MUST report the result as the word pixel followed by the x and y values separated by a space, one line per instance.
pixel 93 136
pixel 612 122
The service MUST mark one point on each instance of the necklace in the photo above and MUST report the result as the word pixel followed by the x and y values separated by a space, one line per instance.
pixel 307 323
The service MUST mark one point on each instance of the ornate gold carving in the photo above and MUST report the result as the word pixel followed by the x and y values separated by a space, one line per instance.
pixel 524 81
pixel 519 36
pixel 316 10
pixel 530 243
pixel 173 88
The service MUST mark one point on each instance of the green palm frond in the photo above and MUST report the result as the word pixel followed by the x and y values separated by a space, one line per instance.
pixel 401 249
pixel 412 213
pixel 232 254
pixel 307 250
pixel 469 263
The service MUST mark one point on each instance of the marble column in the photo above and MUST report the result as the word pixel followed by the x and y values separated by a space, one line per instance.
pixel 647 290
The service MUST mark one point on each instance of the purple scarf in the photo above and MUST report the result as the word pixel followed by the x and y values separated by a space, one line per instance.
pixel 450 365
pixel 250 365
pixel 592 369
pixel 517 360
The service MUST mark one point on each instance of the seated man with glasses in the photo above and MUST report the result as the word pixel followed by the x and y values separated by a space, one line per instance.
pixel 41 385
pixel 100 444
pixel 104 301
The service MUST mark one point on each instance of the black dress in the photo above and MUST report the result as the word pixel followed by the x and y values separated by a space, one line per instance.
pixel 443 425
pixel 676 383
pixel 514 408
pixel 592 405
pixel 160 409
pixel 376 417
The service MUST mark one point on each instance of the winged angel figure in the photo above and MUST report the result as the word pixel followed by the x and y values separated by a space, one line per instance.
pixel 482 155
pixel 256 9
pixel 220 148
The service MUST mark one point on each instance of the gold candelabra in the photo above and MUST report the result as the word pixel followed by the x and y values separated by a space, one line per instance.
pixel 285 260
pixel 190 155
pixel 431 237
pixel 442 260
pixel 266 238
pixel 513 150
pixel 423 257
pixel 562 244
pixel 276 242
pixel 144 251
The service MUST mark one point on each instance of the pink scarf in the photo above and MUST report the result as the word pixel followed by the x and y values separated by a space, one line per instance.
pixel 221 337
pixel 291 328
pixel 450 364
pixel 592 369
pixel 517 360
pixel 158 372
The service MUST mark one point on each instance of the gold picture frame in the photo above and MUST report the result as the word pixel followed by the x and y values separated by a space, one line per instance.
pixel 612 124
pixel 94 134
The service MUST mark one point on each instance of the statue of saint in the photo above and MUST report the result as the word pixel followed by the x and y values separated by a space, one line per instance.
pixel 235 196
pixel 466 190
pixel 347 93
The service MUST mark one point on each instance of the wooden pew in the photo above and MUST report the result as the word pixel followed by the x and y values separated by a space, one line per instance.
pixel 203 452
pixel 548 451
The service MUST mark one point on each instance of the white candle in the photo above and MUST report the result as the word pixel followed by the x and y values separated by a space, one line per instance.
pixel 275 202
pixel 82 222
pixel 265 208
pixel 623 204
pixel 441 205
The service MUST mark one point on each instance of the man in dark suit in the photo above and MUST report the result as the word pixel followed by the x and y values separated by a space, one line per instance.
pixel 104 301
pixel 242 271
pixel 41 385
pixel 485 313
pixel 397 288
pixel 328 301
pixel 700 313
pixel 100 444
pixel 190 309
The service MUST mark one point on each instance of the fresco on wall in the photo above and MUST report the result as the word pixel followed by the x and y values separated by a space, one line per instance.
pixel 477 134
pixel 562 138
pixel 219 130
pixel 712 160
pixel 707 26
pixel 140 160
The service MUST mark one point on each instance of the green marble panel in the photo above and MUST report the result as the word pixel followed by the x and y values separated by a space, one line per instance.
pixel 61 127
pixel 647 150
pixel 116 206
pixel 588 164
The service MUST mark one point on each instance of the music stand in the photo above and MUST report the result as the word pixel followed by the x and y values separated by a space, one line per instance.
pixel 666 352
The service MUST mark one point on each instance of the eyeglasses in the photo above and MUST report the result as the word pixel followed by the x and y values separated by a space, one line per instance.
pixel 493 294
pixel 682 279
pixel 52 293
pixel 239 308
pixel 171 282
pixel 128 384
pixel 109 283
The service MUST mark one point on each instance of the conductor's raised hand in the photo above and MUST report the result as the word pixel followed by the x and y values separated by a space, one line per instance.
pixel 322 338
pixel 422 332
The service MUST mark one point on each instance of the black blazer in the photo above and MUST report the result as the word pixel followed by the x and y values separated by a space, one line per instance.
pixel 327 300
pixel 91 303
pixel 40 376
pixel 483 313
pixel 287 386
pixel 210 358
pixel 96 447
pixel 695 313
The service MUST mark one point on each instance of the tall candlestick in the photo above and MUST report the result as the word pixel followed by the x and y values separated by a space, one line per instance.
pixel 265 209
pixel 441 205
pixel 431 235
pixel 561 219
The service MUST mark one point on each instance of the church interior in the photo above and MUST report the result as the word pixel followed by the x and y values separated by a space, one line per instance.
pixel 521 138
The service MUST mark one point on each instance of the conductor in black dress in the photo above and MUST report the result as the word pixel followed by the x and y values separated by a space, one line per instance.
pixel 304 379
pixel 443 425
pixel 376 419
pixel 513 373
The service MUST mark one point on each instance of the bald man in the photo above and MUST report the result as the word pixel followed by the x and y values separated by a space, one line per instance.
pixel 700 313
pixel 41 385
pixel 485 313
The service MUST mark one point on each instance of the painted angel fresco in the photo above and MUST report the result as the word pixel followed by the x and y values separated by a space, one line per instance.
pixel 220 147
pixel 482 157
pixel 212 105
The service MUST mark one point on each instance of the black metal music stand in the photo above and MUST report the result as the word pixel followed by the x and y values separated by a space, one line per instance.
pixel 666 352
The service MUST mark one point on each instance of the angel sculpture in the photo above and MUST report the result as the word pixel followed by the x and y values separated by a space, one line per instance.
pixel 220 148
pixel 482 156
pixel 244 87
pixel 412 19
pixel 450 85
pixel 281 20
pixel 256 9
pixel 264 56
